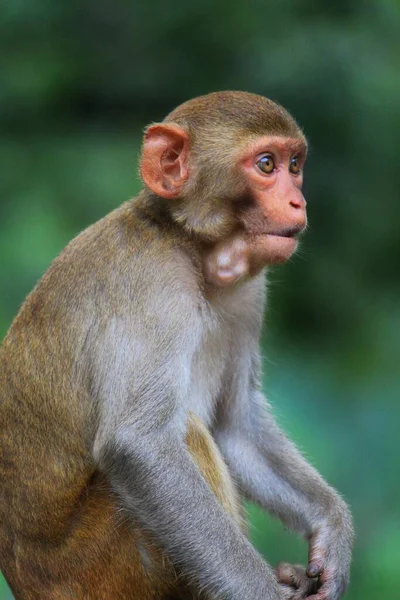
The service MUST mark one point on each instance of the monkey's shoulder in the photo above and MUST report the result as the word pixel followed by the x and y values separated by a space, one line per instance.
pixel 117 264
pixel 120 241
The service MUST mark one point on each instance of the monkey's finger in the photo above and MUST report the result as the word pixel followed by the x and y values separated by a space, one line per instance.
pixel 314 569
pixel 305 586
pixel 295 577
pixel 289 593
pixel 316 561
pixel 286 574
pixel 316 558
pixel 325 591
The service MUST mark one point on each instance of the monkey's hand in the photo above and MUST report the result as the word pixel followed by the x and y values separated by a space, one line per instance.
pixel 330 556
pixel 294 582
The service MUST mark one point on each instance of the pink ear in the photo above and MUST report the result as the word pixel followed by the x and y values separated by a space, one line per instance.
pixel 164 159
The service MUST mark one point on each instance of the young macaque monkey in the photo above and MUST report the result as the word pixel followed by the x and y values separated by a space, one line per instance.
pixel 132 419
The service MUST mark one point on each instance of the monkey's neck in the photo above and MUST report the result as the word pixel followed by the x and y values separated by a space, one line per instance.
pixel 223 262
pixel 171 216
pixel 153 209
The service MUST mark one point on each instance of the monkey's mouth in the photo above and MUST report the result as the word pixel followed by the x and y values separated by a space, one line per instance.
pixel 290 233
pixel 280 235
pixel 277 245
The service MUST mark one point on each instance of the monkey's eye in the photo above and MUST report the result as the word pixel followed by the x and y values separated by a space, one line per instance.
pixel 266 164
pixel 295 165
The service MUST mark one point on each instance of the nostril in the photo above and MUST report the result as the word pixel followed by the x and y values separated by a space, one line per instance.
pixel 296 203
pixel 296 200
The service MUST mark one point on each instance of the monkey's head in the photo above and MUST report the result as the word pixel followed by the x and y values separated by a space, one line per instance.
pixel 231 166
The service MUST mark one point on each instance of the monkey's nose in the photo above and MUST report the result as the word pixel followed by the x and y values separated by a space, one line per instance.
pixel 298 202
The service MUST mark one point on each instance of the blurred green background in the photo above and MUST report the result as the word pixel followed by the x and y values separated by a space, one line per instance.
pixel 78 82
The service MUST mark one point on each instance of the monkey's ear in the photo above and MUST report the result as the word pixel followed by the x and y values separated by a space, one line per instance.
pixel 164 159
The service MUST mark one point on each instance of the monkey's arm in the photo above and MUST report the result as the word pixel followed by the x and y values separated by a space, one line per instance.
pixel 140 445
pixel 272 472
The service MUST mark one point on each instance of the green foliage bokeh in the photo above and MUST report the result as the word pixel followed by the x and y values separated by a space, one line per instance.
pixel 78 82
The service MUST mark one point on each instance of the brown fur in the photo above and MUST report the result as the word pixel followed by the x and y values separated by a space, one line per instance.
pixel 63 533
pixel 241 112
pixel 86 546
pixel 220 126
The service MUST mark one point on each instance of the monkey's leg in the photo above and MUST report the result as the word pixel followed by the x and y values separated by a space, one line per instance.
pixel 103 555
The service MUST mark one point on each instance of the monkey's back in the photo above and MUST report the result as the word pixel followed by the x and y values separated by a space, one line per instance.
pixel 51 497
pixel 46 413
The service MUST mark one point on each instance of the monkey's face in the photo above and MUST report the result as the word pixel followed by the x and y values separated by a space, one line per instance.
pixel 274 211
pixel 246 201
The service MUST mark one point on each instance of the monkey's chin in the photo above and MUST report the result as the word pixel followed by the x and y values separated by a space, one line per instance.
pixel 242 256
pixel 275 249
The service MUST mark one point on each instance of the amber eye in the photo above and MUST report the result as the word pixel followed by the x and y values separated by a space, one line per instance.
pixel 295 165
pixel 266 164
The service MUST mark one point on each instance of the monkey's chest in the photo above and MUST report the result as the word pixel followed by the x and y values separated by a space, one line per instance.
pixel 207 374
